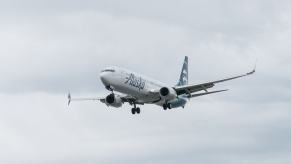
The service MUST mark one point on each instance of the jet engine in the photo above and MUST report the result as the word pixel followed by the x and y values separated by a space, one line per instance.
pixel 168 93
pixel 113 100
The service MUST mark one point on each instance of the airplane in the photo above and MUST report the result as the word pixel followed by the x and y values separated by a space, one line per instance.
pixel 130 87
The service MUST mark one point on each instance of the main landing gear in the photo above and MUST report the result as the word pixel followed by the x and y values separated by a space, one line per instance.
pixel 167 106
pixel 135 109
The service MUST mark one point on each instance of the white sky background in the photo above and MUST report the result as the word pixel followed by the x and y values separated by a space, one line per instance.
pixel 51 47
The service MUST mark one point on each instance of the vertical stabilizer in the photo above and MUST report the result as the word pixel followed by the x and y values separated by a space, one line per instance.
pixel 184 73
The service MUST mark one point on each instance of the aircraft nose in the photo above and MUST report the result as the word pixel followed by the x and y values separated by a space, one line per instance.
pixel 104 78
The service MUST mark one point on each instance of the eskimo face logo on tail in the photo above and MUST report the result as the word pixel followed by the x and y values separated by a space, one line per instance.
pixel 184 77
pixel 134 81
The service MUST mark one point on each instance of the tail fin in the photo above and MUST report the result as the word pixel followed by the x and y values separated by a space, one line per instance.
pixel 184 73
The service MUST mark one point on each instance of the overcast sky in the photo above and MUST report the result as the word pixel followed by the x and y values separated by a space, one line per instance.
pixel 48 48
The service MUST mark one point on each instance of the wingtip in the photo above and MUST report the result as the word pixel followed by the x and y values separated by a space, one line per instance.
pixel 69 99
pixel 224 90
pixel 253 71
pixel 255 67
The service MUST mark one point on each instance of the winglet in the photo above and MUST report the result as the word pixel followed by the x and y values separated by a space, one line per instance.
pixel 254 70
pixel 69 99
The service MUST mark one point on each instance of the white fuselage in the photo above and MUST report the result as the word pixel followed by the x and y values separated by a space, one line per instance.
pixel 130 83
pixel 140 87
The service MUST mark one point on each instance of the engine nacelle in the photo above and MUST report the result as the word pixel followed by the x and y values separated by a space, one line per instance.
pixel 168 93
pixel 113 100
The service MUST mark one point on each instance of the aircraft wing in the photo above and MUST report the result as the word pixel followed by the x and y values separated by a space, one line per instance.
pixel 124 98
pixel 188 89
pixel 70 99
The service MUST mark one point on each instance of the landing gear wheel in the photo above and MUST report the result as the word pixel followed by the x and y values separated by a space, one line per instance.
pixel 137 110
pixel 133 110
pixel 169 106
pixel 165 106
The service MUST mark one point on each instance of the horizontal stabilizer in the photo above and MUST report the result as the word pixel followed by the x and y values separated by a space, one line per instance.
pixel 206 93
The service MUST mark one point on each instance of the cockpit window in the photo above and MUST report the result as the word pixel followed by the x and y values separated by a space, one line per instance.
pixel 108 70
